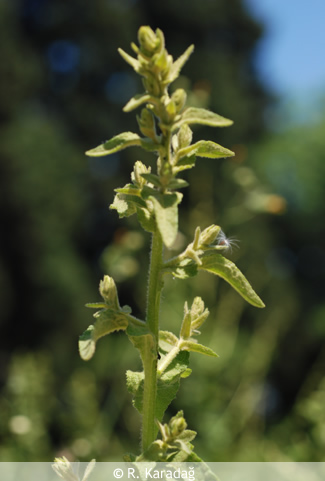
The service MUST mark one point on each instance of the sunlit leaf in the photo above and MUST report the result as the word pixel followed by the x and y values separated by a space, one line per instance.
pixel 146 219
pixel 185 268
pixel 117 143
pixel 185 163
pixel 204 148
pixel 177 184
pixel 179 63
pixel 129 189
pixel 222 267
pixel 136 101
pixel 124 207
pixel 152 178
pixel 141 338
pixel 107 321
pixel 168 337
pixel 195 115
pixel 130 60
pixel 193 346
pixel 166 213
pixel 167 385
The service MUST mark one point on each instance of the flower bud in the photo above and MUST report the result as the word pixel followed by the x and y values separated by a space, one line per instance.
pixel 148 40
pixel 184 135
pixel 179 98
pixel 108 292
pixel 198 314
pixel 138 169
pixel 161 61
pixel 146 123
pixel 209 234
pixel 197 307
pixel 171 111
pixel 177 425
pixel 186 324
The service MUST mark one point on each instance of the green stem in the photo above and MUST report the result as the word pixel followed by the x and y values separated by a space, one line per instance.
pixel 149 427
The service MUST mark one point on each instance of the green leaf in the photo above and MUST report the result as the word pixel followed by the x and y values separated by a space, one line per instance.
pixel 222 267
pixel 168 337
pixel 169 382
pixel 107 321
pixel 187 436
pixel 141 338
pixel 185 269
pixel 186 373
pixel 152 178
pixel 182 457
pixel 148 191
pixel 177 184
pixel 127 201
pixel 166 213
pixel 134 384
pixel 167 385
pixel 124 207
pixel 204 148
pixel 127 205
pixel 178 64
pixel 117 143
pixel 184 136
pixel 129 189
pixel 150 145
pixel 194 115
pixel 130 60
pixel 146 219
pixel 192 346
pixel 97 305
pixel 185 163
pixel 136 101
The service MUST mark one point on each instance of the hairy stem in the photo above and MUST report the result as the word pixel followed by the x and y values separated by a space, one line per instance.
pixel 149 427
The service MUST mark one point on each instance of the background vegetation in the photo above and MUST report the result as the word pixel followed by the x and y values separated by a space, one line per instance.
pixel 63 87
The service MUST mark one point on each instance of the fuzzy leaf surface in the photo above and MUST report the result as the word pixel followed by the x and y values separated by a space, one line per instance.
pixel 205 148
pixel 195 115
pixel 141 338
pixel 146 220
pixel 222 267
pixel 167 385
pixel 179 63
pixel 152 178
pixel 177 184
pixel 185 269
pixel 136 101
pixel 192 346
pixel 184 163
pixel 129 189
pixel 166 212
pixel 123 206
pixel 117 143
pixel 168 337
pixel 107 321
pixel 130 60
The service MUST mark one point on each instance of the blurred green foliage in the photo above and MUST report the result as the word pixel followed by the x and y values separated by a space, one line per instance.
pixel 63 87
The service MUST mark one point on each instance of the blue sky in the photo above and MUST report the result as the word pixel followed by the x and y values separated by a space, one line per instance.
pixel 291 56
